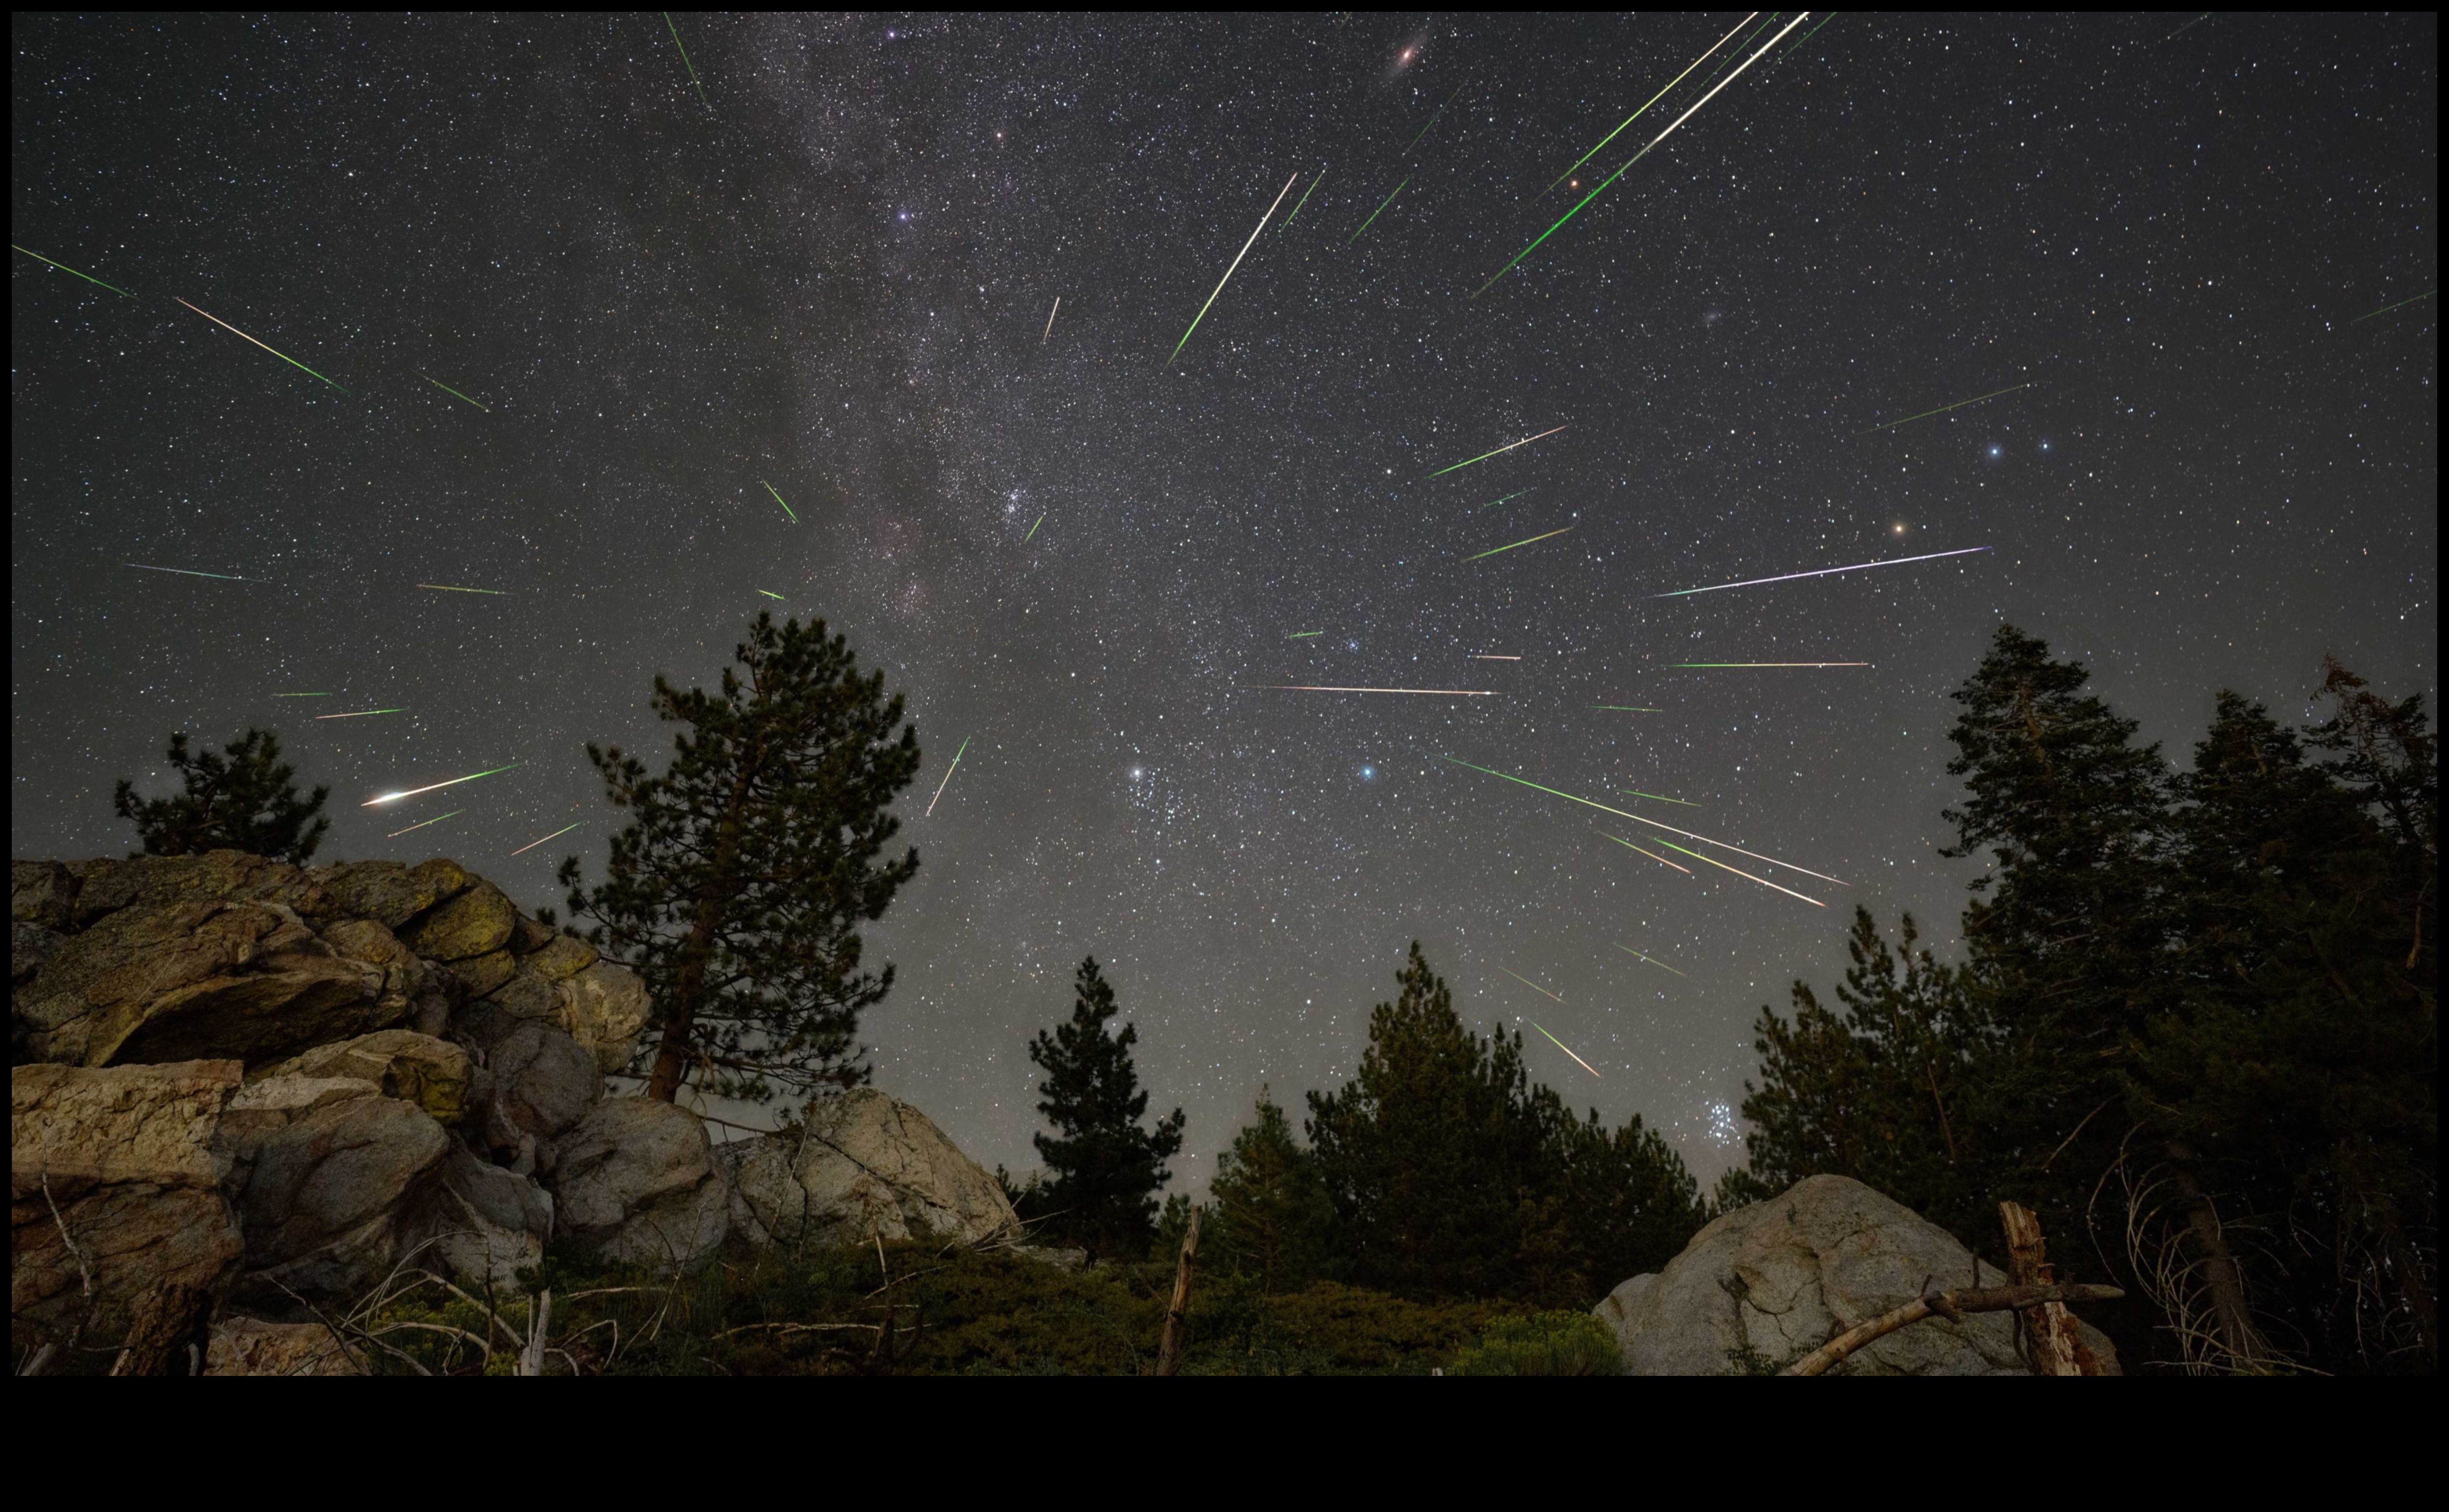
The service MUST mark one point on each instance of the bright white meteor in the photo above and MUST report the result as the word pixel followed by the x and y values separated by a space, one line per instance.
pixel 1450 693
pixel 1229 272
pixel 1754 582
pixel 394 797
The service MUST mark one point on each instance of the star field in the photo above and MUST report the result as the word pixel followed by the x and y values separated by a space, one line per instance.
pixel 833 276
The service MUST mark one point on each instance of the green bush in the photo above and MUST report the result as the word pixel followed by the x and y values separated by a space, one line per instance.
pixel 1543 1344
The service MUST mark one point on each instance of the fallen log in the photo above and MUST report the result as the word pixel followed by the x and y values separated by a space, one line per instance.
pixel 1948 1304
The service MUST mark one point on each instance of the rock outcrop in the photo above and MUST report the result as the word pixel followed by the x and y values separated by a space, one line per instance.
pixel 639 1185
pixel 1766 1284
pixel 864 1163
pixel 252 1346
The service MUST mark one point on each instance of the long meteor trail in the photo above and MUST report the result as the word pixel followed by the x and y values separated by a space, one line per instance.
pixel 1739 872
pixel 394 797
pixel 276 352
pixel 1498 453
pixel 1305 198
pixel 1448 693
pixel 1652 855
pixel 685 63
pixel 1050 319
pixel 447 588
pixel 1527 983
pixel 1375 214
pixel 1652 823
pixel 1032 531
pixel 555 835
pixel 1941 409
pixel 1703 667
pixel 1494 550
pixel 360 714
pixel 65 268
pixel 1660 964
pixel 778 499
pixel 1652 101
pixel 422 823
pixel 1560 1045
pixel 2356 321
pixel 1799 19
pixel 1236 263
pixel 1858 566
pixel 453 392
pixel 190 572
pixel 948 774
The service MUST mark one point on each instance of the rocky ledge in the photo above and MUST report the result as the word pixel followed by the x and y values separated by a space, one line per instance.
pixel 239 1086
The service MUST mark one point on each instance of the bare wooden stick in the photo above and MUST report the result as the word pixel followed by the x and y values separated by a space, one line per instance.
pixel 1948 1304
pixel 1169 1349
pixel 2052 1342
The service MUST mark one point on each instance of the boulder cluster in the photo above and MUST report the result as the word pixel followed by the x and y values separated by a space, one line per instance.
pixel 243 1088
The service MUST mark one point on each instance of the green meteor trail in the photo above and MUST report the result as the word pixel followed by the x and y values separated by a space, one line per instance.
pixel 1660 964
pixel 684 61
pixel 65 268
pixel 394 797
pixel 1303 635
pixel 1560 1045
pixel 282 355
pixel 2356 321
pixel 1807 36
pixel 1941 409
pixel 422 823
pixel 1527 983
pixel 555 835
pixel 1739 872
pixel 445 588
pixel 1627 708
pixel 1619 173
pixel 1636 793
pixel 1706 666
pixel 1652 101
pixel 1032 531
pixel 1653 824
pixel 1494 550
pixel 948 774
pixel 1236 263
pixel 1433 121
pixel 778 499
pixel 1498 453
pixel 359 714
pixel 1516 494
pixel 453 392
pixel 1305 198
pixel 1652 855
pixel 301 695
pixel 189 572
pixel 776 597
pixel 1375 214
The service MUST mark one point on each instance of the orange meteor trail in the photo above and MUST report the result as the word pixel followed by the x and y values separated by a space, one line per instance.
pixel 1652 855
pixel 1746 876
pixel 1560 1045
pixel 556 835
pixel 394 797
pixel 1656 825
pixel 1450 693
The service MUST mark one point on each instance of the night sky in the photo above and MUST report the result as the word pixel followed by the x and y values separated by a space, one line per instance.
pixel 833 273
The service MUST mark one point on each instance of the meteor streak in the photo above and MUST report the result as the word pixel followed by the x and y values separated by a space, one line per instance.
pixel 65 268
pixel 1627 708
pixel 1236 263
pixel 422 823
pixel 1560 1045
pixel 948 774
pixel 282 355
pixel 1652 855
pixel 1375 214
pixel 363 713
pixel 445 588
pixel 555 835
pixel 301 695
pixel 1494 550
pixel 1652 823
pixel 1660 964
pixel 684 61
pixel 1032 531
pixel 1050 319
pixel 1807 36
pixel 778 499
pixel 1516 494
pixel 1941 409
pixel 1636 793
pixel 2356 321
pixel 394 797
pixel 1433 121
pixel 1799 19
pixel 776 597
pixel 1305 198
pixel 1707 665
pixel 1653 100
pixel 1303 635
pixel 1450 693
pixel 1499 451
pixel 453 392
pixel 1478 656
pixel 189 572
pixel 1527 983
pixel 1858 566
pixel 1739 872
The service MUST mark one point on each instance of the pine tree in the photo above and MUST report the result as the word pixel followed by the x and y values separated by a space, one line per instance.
pixel 1268 1207
pixel 1633 1203
pixel 1104 1169
pixel 737 887
pixel 241 799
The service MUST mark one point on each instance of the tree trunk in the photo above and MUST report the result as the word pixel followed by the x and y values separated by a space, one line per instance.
pixel 1169 1349
pixel 1948 1304
pixel 2231 1313
pixel 2051 1340
pixel 688 983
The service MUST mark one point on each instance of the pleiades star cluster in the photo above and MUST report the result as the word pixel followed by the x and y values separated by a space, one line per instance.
pixel 542 353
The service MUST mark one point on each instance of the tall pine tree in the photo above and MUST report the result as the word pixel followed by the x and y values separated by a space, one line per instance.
pixel 738 888
pixel 1104 1169
pixel 244 798
pixel 1267 1205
